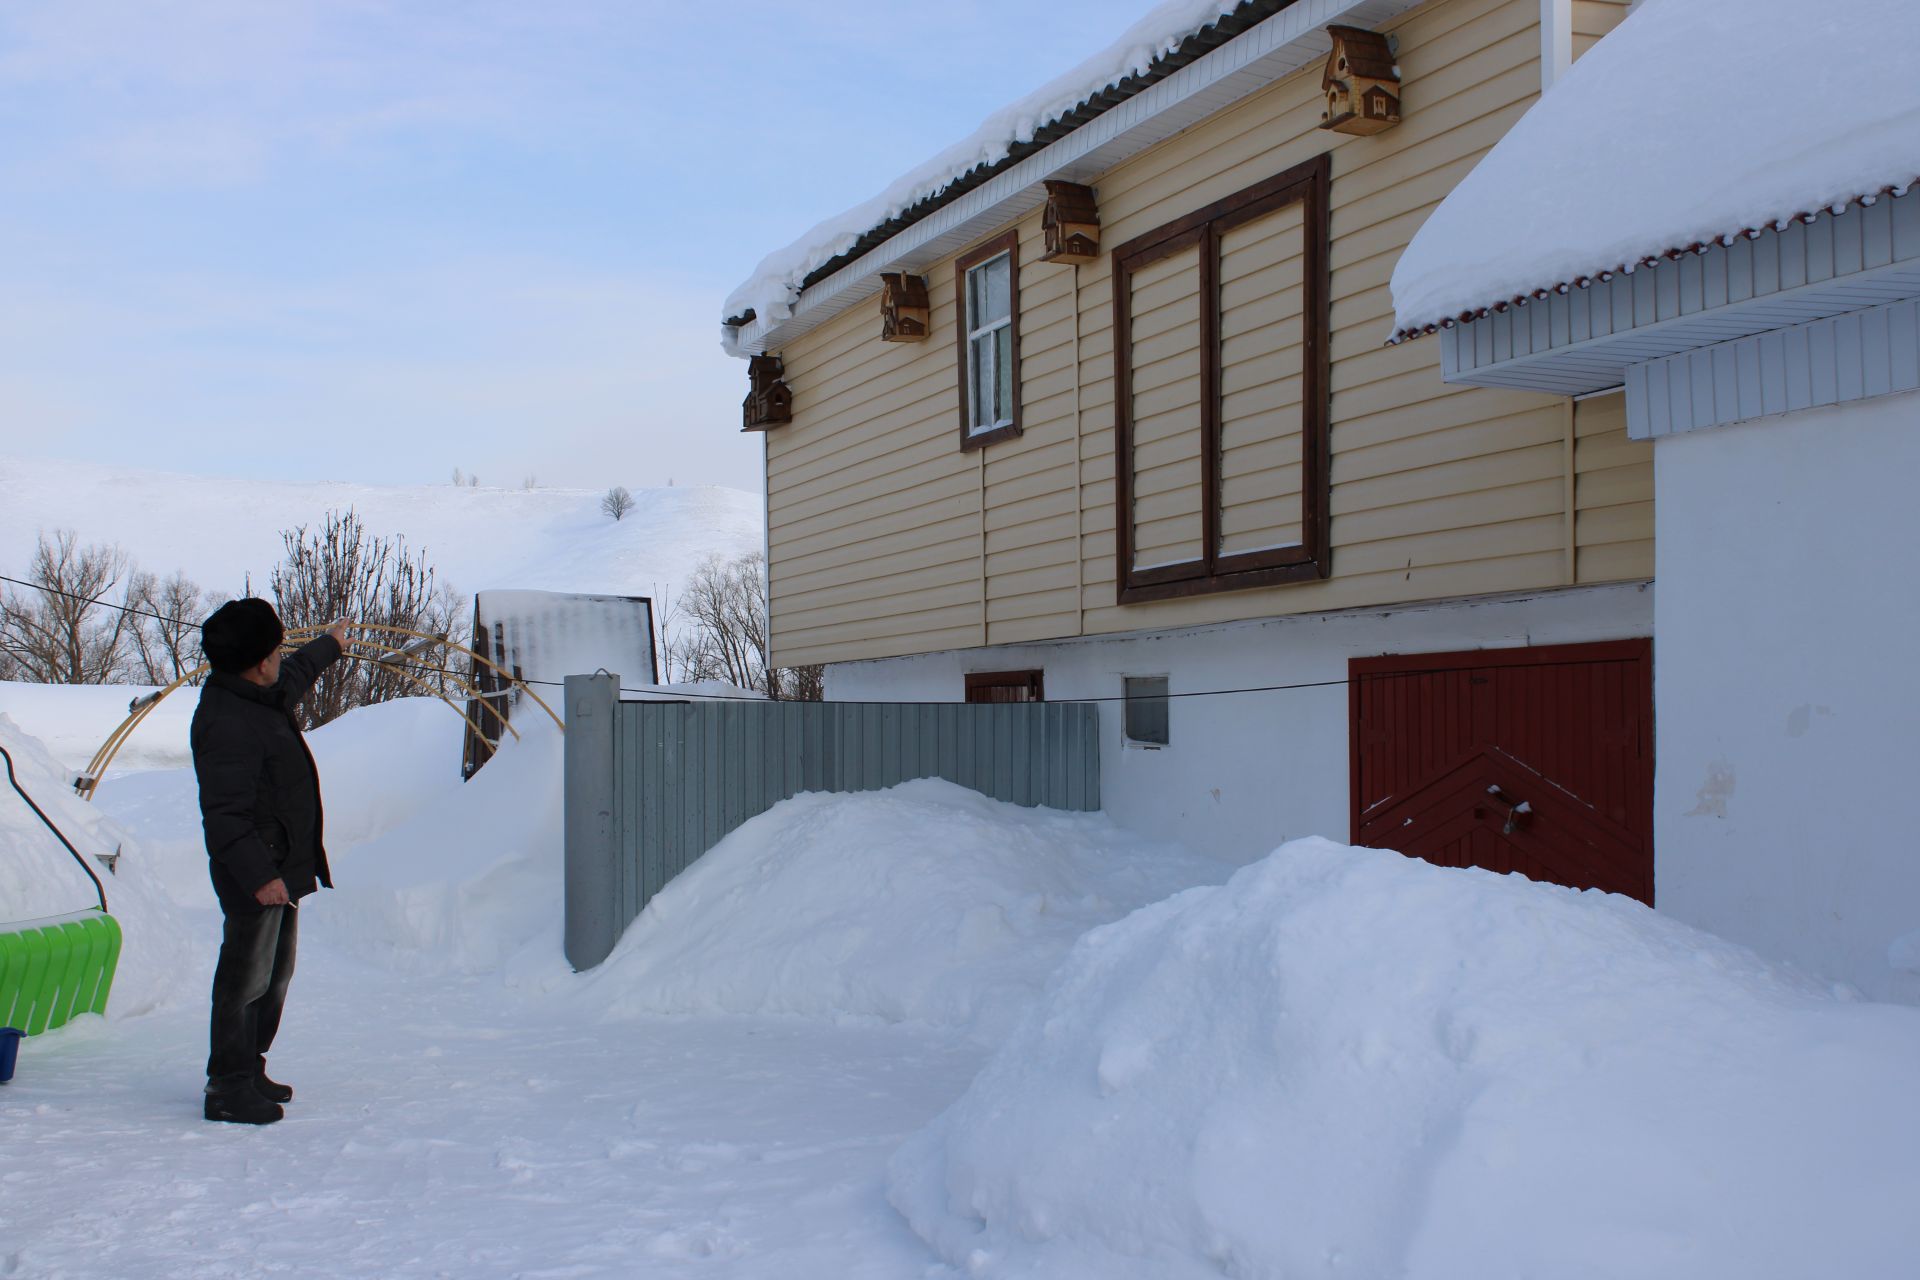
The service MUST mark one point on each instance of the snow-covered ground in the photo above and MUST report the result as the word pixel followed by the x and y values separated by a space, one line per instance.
pixel 922 1034
pixel 219 530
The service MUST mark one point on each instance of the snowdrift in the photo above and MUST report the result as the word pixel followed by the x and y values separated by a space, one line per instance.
pixel 1349 1063
pixel 455 876
pixel 924 903
pixel 38 878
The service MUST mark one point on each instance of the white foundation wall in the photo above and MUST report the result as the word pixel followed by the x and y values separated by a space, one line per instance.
pixel 1787 700
pixel 1243 773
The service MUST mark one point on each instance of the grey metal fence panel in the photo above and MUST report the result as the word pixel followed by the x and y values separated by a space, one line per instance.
pixel 651 786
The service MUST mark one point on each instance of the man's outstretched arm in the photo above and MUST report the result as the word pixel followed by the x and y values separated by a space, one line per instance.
pixel 299 669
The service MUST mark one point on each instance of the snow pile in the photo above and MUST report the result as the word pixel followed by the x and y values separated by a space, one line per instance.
pixel 775 284
pixel 1350 1063
pixel 38 878
pixel 1693 120
pixel 382 765
pixel 924 903
pixel 471 878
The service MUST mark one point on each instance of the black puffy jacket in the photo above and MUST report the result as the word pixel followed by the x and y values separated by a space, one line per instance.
pixel 259 790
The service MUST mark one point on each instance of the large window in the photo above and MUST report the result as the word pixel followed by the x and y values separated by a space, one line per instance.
pixel 989 291
pixel 1220 320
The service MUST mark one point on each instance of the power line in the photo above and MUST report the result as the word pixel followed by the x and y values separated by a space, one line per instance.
pixel 103 602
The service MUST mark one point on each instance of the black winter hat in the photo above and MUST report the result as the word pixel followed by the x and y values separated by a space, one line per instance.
pixel 240 634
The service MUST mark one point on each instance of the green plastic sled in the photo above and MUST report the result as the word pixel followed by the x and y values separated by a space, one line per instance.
pixel 53 969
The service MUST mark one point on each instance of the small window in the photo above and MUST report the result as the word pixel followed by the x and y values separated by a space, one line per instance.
pixel 1005 686
pixel 989 291
pixel 1146 710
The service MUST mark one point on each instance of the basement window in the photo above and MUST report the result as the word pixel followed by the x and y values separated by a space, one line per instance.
pixel 1006 686
pixel 1146 710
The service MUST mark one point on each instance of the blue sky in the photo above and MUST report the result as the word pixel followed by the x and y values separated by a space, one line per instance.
pixel 374 240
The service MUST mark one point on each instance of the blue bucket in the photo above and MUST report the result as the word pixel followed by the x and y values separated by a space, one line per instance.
pixel 9 1051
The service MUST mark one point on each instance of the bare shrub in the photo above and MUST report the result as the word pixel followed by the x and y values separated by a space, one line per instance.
pixel 617 502
pixel 342 571
pixel 66 628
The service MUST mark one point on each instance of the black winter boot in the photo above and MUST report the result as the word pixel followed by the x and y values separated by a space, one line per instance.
pixel 271 1090
pixel 236 1101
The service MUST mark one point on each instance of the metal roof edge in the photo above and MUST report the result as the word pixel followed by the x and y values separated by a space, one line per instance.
pixel 1276 47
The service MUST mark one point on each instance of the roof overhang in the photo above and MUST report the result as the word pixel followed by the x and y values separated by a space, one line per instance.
pixel 1283 44
pixel 1589 338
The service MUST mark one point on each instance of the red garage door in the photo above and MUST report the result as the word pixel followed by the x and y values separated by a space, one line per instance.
pixel 1536 760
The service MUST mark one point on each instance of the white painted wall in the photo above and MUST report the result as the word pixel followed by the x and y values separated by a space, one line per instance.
pixel 1245 772
pixel 1787 699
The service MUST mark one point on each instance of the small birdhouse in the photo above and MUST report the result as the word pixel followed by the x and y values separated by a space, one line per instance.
pixel 768 402
pixel 1071 224
pixel 1361 85
pixel 903 307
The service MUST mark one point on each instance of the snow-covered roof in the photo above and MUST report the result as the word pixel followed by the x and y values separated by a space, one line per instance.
pixel 1695 121
pixel 1145 49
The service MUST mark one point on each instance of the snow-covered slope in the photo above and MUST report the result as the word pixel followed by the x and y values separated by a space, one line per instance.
pixel 218 530
pixel 1345 1062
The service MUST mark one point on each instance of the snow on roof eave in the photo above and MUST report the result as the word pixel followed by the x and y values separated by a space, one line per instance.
pixel 1279 46
pixel 1674 254
pixel 1603 174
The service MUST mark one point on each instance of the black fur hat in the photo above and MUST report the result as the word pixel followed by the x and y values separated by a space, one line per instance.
pixel 240 634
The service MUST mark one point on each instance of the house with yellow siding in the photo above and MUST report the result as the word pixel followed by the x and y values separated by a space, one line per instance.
pixel 1152 447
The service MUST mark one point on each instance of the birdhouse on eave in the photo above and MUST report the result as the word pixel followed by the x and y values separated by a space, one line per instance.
pixel 768 402
pixel 1361 85
pixel 1071 224
pixel 903 307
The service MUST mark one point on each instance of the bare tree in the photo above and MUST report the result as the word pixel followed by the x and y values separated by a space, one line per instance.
pixel 716 629
pixel 617 502
pixel 67 629
pixel 342 571
pixel 800 684
pixel 166 644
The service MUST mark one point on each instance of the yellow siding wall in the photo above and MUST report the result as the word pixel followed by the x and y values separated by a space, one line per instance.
pixel 888 539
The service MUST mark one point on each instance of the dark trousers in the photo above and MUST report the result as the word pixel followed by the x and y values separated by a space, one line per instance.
pixel 249 990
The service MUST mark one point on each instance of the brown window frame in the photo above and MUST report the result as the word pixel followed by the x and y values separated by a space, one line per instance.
pixel 1008 244
pixel 1306 184
pixel 1033 682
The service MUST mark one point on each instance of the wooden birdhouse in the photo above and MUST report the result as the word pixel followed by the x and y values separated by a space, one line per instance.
pixel 768 402
pixel 1071 224
pixel 1361 85
pixel 903 307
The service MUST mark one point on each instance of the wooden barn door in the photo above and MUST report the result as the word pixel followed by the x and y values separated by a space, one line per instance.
pixel 1535 760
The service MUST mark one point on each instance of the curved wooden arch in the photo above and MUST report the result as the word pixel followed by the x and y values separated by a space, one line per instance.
pixel 89 781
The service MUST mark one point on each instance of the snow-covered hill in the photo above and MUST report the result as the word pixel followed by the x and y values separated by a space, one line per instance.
pixel 219 530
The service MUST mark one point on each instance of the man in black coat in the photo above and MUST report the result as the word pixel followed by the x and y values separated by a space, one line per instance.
pixel 260 805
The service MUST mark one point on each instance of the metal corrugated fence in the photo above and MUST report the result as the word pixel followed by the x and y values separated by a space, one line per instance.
pixel 651 786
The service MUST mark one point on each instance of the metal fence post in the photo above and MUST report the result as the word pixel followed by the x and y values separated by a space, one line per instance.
pixel 591 877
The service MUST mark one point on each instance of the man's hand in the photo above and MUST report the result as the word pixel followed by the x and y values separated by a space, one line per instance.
pixel 272 894
pixel 339 633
